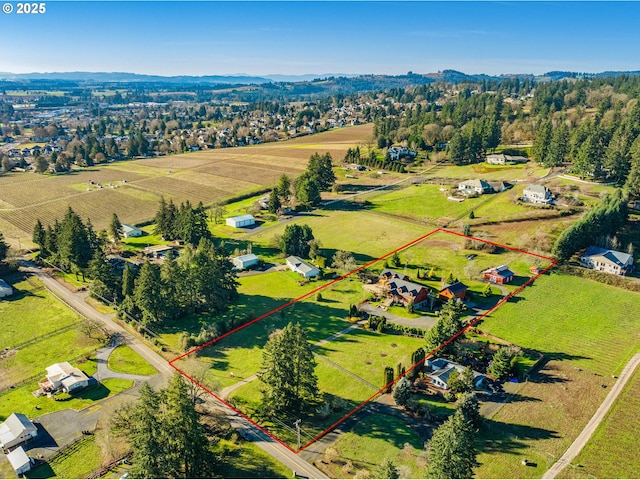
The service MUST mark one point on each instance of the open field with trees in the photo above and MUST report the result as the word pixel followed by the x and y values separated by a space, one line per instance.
pixel 207 176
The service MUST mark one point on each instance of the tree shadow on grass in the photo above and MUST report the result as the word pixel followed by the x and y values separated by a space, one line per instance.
pixel 41 471
pixel 499 437
pixel 93 392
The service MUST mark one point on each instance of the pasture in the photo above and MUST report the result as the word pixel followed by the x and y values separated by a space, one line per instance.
pixel 612 450
pixel 209 176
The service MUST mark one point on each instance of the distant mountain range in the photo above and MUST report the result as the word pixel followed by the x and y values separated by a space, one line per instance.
pixel 453 76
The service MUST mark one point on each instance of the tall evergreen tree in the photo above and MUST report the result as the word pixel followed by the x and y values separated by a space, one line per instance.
pixel 274 202
pixel 284 188
pixel 128 280
pixel 146 437
pixel 148 293
pixel 288 372
pixel 452 453
pixel 73 245
pixel 115 228
pixel 39 233
pixel 448 324
pixel 320 170
pixel 295 240
pixel 3 248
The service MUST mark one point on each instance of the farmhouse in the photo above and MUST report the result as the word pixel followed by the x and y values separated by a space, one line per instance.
pixel 5 289
pixel 441 370
pixel 608 261
pixel 160 251
pixel 499 275
pixel 241 221
pixel 62 376
pixel 245 261
pixel 469 187
pixel 296 264
pixel 16 430
pixel 19 460
pixel 454 290
pixel 399 289
pixel 129 231
pixel 537 194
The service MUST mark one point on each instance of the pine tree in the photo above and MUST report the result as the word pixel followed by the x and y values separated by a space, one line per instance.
pixel 128 280
pixel 274 202
pixel 452 453
pixel 470 409
pixel 148 293
pixel 146 438
pixel 501 364
pixel 38 236
pixel 284 188
pixel 3 248
pixel 401 392
pixel 448 324
pixel 115 228
pixel 288 372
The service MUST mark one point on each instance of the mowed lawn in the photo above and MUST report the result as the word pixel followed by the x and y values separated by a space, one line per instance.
pixel 612 451
pixel 592 325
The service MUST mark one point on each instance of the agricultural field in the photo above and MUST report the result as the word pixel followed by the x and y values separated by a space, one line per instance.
pixel 133 188
pixel 614 440
pixel 510 173
pixel 587 334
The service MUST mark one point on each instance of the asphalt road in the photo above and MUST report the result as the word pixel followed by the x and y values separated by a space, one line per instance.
pixel 247 430
pixel 579 443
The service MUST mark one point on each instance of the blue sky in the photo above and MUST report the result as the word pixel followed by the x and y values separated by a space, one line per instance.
pixel 259 38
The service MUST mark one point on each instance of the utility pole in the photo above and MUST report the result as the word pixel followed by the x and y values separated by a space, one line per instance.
pixel 297 424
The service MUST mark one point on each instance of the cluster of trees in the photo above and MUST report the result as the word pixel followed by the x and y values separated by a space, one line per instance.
pixel 297 240
pixel 165 434
pixel 69 243
pixel 448 324
pixel 184 223
pixel 604 219
pixel 470 143
pixel 288 372
pixel 200 280
pixel 318 177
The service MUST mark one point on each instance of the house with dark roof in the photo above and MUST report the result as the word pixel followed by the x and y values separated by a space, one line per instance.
pixel 453 290
pixel 16 430
pixel 608 261
pixel 400 289
pixel 499 275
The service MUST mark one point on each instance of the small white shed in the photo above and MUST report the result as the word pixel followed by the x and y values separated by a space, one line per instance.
pixel 241 221
pixel 129 231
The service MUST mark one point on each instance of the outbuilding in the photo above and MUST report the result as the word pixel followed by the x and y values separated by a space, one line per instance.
pixel 19 460
pixel 245 261
pixel 15 430
pixel 129 231
pixel 296 264
pixel 5 289
pixel 241 221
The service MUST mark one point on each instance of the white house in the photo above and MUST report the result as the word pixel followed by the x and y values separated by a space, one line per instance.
pixel 62 376
pixel 441 370
pixel 479 187
pixel 245 261
pixel 241 221
pixel 395 153
pixel 19 460
pixel 502 159
pixel 296 264
pixel 538 194
pixel 129 231
pixel 5 289
pixel 15 430
pixel 608 261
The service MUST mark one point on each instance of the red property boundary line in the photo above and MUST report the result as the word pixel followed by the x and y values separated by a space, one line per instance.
pixel 332 282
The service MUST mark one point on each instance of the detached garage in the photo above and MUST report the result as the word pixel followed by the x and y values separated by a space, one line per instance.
pixel 5 289
pixel 19 460
pixel 241 221
pixel 245 261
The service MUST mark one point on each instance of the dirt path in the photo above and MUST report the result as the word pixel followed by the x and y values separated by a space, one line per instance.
pixel 579 443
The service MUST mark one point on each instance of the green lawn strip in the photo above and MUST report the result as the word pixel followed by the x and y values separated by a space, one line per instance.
pixel 422 202
pixel 586 322
pixel 30 313
pixel 71 278
pixel 366 234
pixel 137 244
pixel 612 449
pixel 366 353
pixel 32 360
pixel 376 437
pixel 123 359
pixel 485 171
pixel 78 461
pixel 21 399
pixel 247 460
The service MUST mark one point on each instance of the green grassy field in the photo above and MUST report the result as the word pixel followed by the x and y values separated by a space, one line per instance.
pixel 124 359
pixel 247 460
pixel 488 172
pixel 77 462
pixel 32 301
pixel 582 321
pixel 612 450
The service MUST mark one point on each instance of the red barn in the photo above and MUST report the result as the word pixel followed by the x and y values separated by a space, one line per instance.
pixel 499 275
